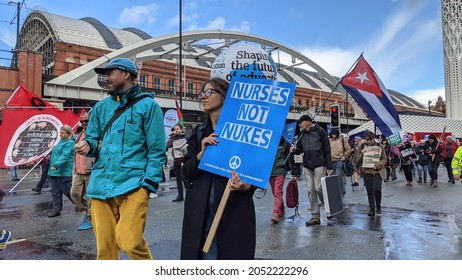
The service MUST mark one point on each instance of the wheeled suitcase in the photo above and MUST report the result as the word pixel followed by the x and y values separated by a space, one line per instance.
pixel 333 203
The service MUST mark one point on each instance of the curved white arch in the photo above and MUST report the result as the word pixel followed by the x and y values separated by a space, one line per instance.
pixel 82 76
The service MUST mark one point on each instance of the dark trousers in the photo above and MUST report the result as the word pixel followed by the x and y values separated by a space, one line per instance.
pixel 448 162
pixel 433 170
pixel 60 186
pixel 391 172
pixel 373 184
pixel 179 182
pixel 407 169
pixel 43 177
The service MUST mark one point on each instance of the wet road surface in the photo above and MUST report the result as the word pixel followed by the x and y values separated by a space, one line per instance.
pixel 418 223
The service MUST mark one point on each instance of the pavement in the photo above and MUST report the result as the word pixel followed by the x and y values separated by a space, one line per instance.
pixel 418 223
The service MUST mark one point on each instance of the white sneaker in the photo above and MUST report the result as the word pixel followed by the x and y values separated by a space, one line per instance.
pixel 153 195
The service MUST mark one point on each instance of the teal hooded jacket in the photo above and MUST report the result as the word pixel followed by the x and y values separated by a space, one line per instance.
pixel 62 157
pixel 132 152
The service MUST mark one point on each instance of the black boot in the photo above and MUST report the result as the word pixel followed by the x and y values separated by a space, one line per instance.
pixel 378 200
pixel 36 190
pixel 178 199
pixel 371 212
pixel 379 209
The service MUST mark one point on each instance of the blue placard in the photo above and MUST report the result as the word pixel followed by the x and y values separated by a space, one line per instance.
pixel 249 129
pixel 289 131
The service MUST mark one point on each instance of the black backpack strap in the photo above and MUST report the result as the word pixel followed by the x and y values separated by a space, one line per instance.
pixel 119 112
pixel 114 117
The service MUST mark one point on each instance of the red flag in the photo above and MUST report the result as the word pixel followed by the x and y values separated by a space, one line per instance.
pixel 28 134
pixel 178 112
pixel 23 97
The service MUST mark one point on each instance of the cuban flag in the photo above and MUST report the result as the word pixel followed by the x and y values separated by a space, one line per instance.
pixel 365 87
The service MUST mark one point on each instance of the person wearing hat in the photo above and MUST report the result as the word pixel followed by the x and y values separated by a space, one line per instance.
pixel 340 151
pixel 314 144
pixel 433 151
pixel 129 154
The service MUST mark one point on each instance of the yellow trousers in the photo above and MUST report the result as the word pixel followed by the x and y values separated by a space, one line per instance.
pixel 118 223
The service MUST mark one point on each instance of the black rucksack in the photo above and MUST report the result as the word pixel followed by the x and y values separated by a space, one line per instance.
pixel 348 167
pixel 292 195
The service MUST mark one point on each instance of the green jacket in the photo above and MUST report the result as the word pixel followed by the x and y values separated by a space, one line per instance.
pixel 132 152
pixel 62 158
pixel 279 167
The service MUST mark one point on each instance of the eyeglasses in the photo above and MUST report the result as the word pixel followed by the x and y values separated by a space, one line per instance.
pixel 207 93
pixel 84 121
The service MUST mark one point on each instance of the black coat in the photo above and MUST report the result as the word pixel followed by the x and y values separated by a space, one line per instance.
pixel 315 146
pixel 236 233
pixel 422 158
pixel 434 152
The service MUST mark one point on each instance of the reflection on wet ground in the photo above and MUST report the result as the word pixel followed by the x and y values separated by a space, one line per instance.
pixel 28 250
pixel 400 234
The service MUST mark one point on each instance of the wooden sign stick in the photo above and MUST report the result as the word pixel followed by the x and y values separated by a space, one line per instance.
pixel 217 218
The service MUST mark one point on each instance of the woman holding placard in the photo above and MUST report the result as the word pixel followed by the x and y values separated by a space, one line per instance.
pixel 236 233
pixel 372 161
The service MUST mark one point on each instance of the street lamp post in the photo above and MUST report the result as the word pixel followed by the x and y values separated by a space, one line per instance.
pixel 18 6
pixel 429 102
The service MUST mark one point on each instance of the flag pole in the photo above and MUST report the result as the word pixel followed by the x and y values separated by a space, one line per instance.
pixel 24 177
pixel 440 140
pixel 295 144
pixel 335 87
pixel 30 170
pixel 11 96
pixel 325 100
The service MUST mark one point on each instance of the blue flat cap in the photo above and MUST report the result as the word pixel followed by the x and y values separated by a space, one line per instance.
pixel 122 63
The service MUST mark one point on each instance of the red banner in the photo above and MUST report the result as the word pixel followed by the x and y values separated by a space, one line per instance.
pixel 23 97
pixel 28 134
pixel 421 135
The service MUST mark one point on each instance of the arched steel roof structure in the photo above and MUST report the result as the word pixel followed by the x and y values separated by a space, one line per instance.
pixel 200 49
pixel 149 50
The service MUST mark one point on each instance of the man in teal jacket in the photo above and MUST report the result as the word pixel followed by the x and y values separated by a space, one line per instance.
pixel 130 156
